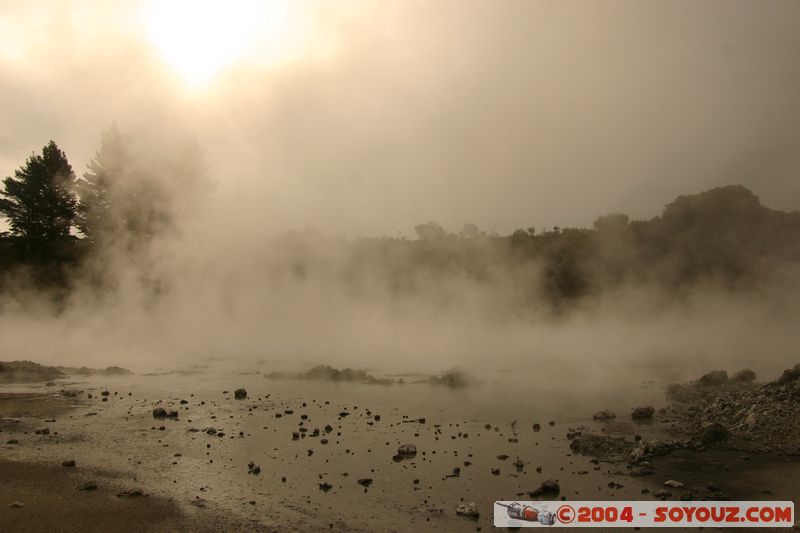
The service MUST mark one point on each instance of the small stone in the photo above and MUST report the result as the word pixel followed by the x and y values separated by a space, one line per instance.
pixel 407 449
pixel 240 394
pixel 16 505
pixel 71 462
pixel 469 510
pixel 673 484
pixel 131 493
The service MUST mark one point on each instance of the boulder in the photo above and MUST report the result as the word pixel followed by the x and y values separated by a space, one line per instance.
pixel 643 413
pixel 713 432
pixel 605 414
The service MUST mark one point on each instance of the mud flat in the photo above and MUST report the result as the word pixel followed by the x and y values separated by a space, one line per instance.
pixel 229 450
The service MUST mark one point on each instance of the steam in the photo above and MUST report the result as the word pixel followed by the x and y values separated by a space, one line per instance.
pixel 514 115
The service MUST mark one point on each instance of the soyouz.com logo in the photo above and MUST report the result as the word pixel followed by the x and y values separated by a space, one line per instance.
pixel 643 514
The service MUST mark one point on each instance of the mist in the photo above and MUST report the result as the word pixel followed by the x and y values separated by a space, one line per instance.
pixel 383 117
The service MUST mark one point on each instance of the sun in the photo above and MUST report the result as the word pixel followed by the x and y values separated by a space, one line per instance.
pixel 201 38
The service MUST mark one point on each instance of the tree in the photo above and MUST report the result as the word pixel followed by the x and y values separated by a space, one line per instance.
pixel 140 186
pixel 40 201
pixel 430 231
pixel 97 217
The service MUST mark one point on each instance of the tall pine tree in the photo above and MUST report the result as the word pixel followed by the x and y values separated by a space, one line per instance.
pixel 40 202
pixel 97 214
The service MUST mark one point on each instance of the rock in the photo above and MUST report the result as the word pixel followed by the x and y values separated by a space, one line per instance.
pixel 199 502
pixel 71 462
pixel 253 468
pixel 714 378
pixel 643 413
pixel 713 432
pixel 240 394
pixel 469 510
pixel 325 487
pixel 43 431
pixel 87 486
pixel 159 412
pixel 131 493
pixel 673 484
pixel 605 414
pixel 550 486
pixel 407 449
pixel 745 376
pixel 536 427
pixel 365 482
pixel 502 457
pixel 16 505
pixel 12 441
pixel 662 493
pixel 790 374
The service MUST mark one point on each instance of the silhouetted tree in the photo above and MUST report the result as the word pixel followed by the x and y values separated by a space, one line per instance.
pixel 430 231
pixel 40 201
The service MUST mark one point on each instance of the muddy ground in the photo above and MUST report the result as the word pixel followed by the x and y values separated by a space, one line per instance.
pixel 321 455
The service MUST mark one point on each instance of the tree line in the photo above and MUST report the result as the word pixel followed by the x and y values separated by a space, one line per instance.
pixel 132 190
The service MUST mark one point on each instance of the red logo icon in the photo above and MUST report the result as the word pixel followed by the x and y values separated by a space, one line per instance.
pixel 565 514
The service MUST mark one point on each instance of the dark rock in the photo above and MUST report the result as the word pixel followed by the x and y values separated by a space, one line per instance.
pixel 604 415
pixel 87 486
pixel 550 486
pixel 159 412
pixel 366 482
pixel 713 432
pixel 240 394
pixel 714 378
pixel 643 413
pixel 71 462
pixel 745 376
pixel 131 493
pixel 407 449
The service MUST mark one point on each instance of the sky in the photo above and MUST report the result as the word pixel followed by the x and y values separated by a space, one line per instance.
pixel 367 118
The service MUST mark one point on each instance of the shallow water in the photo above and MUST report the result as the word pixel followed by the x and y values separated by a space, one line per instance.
pixel 123 436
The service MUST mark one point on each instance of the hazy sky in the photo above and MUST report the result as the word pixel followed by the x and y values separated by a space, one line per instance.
pixel 370 117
